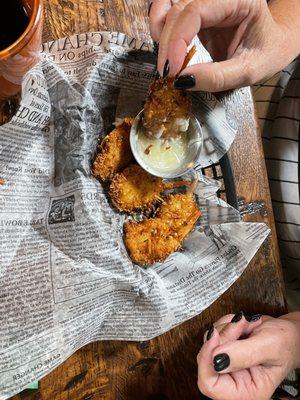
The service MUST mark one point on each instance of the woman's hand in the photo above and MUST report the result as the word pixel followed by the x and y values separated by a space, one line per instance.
pixel 248 360
pixel 247 39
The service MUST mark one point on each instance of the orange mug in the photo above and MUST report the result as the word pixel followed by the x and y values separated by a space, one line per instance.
pixel 23 53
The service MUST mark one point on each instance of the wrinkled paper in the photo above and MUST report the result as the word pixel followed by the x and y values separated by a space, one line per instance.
pixel 65 276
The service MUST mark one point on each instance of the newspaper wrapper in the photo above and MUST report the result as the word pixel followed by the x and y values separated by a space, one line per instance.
pixel 65 276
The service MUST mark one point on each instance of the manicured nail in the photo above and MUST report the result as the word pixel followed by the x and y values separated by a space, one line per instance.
pixel 185 82
pixel 166 69
pixel 149 8
pixel 255 317
pixel 238 316
pixel 221 362
pixel 210 332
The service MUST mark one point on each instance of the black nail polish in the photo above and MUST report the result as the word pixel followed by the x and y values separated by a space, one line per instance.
pixel 155 48
pixel 238 316
pixel 221 362
pixel 185 82
pixel 255 317
pixel 210 332
pixel 166 69
pixel 149 8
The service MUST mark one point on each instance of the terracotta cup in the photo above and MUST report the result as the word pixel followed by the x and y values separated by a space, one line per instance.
pixel 21 55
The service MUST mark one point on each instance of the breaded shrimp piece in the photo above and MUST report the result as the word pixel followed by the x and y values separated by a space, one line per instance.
pixel 135 189
pixel 178 208
pixel 154 239
pixel 167 110
pixel 114 153
pixel 149 241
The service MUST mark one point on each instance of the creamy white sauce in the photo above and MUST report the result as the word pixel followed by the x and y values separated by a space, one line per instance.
pixel 163 155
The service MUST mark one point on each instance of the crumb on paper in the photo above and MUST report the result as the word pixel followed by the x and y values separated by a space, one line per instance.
pixel 2 182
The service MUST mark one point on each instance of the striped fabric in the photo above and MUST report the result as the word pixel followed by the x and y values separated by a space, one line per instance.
pixel 278 108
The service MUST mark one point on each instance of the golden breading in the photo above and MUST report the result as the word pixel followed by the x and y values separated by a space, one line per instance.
pixel 164 108
pixel 167 109
pixel 114 152
pixel 154 239
pixel 134 189
pixel 177 208
pixel 149 241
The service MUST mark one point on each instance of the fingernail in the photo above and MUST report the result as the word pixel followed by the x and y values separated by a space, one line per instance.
pixel 155 48
pixel 255 317
pixel 210 332
pixel 238 316
pixel 149 8
pixel 221 362
pixel 166 69
pixel 185 82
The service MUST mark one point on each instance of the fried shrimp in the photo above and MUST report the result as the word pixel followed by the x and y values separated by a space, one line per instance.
pixel 167 110
pixel 114 152
pixel 154 239
pixel 178 208
pixel 134 189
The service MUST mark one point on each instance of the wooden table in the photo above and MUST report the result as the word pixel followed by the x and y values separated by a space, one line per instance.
pixel 164 368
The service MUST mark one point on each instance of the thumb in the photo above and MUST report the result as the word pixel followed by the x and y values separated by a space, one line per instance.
pixel 217 76
pixel 243 354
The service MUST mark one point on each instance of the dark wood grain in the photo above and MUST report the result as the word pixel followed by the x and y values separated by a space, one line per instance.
pixel 165 368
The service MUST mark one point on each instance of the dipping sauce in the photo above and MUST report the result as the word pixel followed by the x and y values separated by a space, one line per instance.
pixel 165 155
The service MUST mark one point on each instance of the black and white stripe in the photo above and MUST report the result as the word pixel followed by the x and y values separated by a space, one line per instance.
pixel 278 109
